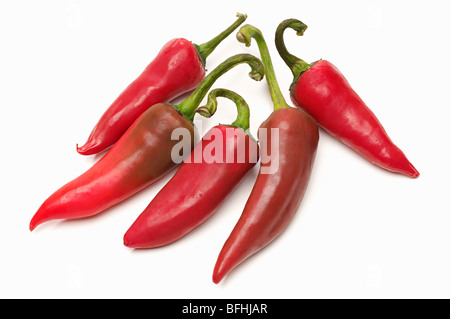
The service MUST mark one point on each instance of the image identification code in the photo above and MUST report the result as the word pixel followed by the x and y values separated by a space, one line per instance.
pixel 235 308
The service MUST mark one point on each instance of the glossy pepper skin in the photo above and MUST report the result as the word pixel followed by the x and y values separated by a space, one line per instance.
pixel 197 189
pixel 275 198
pixel 322 91
pixel 178 68
pixel 140 157
pixel 276 194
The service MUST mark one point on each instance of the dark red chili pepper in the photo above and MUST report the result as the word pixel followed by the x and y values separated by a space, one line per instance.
pixel 140 157
pixel 206 178
pixel 277 193
pixel 178 68
pixel 324 93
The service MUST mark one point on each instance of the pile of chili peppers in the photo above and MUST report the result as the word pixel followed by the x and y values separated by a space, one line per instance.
pixel 138 131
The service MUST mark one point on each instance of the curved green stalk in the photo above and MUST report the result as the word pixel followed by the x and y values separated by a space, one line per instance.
pixel 297 65
pixel 243 111
pixel 188 106
pixel 244 35
pixel 205 49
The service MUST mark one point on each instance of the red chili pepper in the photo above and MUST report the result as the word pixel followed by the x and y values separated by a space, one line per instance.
pixel 324 93
pixel 277 193
pixel 140 157
pixel 201 184
pixel 178 68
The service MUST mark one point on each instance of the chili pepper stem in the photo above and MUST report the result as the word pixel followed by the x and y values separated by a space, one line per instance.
pixel 205 49
pixel 244 35
pixel 243 111
pixel 297 65
pixel 188 106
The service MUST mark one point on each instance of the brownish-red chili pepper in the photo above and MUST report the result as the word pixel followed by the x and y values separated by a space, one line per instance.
pixel 324 93
pixel 278 191
pixel 140 157
pixel 178 68
pixel 201 184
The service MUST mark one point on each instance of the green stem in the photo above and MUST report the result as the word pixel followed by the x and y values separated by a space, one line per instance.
pixel 297 65
pixel 205 49
pixel 244 35
pixel 243 111
pixel 188 106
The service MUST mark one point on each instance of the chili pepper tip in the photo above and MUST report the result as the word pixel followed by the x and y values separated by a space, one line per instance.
pixel 216 279
pixel 412 172
pixel 89 148
pixel 33 224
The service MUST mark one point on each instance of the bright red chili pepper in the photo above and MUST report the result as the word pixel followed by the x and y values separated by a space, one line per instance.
pixel 178 68
pixel 201 184
pixel 140 157
pixel 324 93
pixel 277 194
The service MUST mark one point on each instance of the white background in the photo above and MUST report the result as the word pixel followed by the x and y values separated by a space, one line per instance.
pixel 360 232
